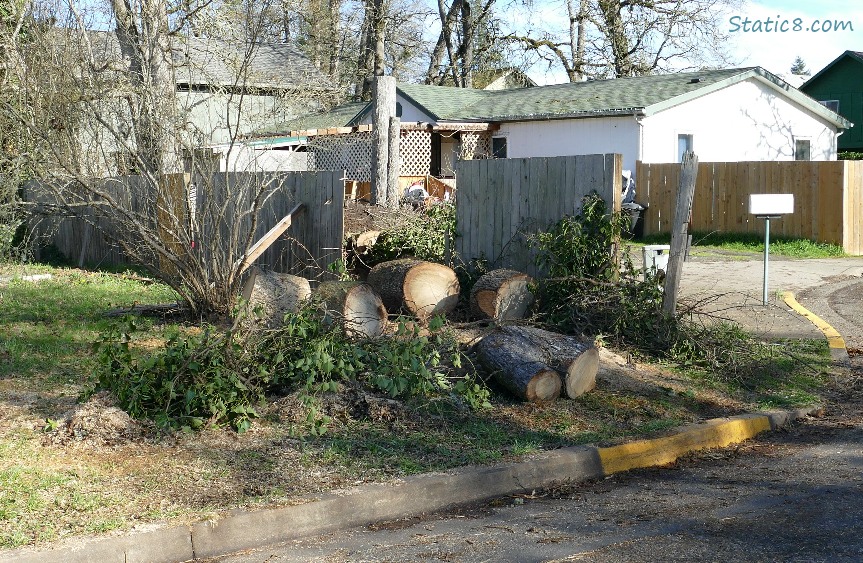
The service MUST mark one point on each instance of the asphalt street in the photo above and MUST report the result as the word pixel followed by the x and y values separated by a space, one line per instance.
pixel 788 496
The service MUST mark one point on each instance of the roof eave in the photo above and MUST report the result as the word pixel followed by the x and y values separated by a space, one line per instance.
pixel 818 74
pixel 620 112
pixel 764 77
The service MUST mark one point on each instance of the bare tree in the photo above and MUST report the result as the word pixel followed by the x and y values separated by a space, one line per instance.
pixel 467 34
pixel 168 108
pixel 633 37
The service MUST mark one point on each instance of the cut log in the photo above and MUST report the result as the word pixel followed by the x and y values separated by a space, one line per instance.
pixel 513 368
pixel 270 295
pixel 356 305
pixel 365 240
pixel 501 295
pixel 422 289
pixel 514 352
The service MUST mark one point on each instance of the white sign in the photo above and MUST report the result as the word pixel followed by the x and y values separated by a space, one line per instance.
pixel 771 204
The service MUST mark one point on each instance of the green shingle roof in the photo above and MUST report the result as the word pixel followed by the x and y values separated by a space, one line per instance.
pixel 339 116
pixel 592 98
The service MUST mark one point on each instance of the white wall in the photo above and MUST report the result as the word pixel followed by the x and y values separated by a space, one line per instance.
pixel 746 121
pixel 563 137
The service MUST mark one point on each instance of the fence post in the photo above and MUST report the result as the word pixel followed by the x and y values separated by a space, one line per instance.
pixel 384 100
pixel 679 233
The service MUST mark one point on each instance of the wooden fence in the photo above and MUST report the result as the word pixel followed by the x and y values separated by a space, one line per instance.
pixel 499 201
pixel 313 241
pixel 828 198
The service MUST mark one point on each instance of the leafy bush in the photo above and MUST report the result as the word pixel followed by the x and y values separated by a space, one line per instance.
pixel 220 377
pixel 426 236
pixel 588 291
pixel 850 155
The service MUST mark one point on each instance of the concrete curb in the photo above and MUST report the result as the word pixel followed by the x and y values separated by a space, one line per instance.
pixel 410 497
pixel 838 350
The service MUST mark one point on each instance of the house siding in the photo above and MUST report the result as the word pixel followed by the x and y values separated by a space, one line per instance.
pixel 567 137
pixel 844 82
pixel 745 121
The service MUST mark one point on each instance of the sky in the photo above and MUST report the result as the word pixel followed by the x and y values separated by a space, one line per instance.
pixel 776 51
pixel 754 45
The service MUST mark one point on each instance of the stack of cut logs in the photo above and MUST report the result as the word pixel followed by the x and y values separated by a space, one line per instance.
pixel 534 364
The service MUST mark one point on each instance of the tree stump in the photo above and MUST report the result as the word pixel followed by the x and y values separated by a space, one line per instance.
pixel 423 289
pixel 356 305
pixel 501 295
pixel 271 295
pixel 521 358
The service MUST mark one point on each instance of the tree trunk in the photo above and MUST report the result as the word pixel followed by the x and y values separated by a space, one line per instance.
pixel 423 289
pixel 501 295
pixel 270 295
pixel 356 305
pixel 513 367
pixel 575 360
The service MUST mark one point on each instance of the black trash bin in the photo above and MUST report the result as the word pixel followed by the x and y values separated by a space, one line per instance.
pixel 636 219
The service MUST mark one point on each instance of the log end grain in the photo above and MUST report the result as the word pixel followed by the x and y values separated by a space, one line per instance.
pixel 581 373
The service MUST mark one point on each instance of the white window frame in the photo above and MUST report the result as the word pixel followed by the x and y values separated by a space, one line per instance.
pixel 827 103
pixel 795 140
pixel 680 135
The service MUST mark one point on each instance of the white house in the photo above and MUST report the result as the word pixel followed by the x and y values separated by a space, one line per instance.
pixel 722 115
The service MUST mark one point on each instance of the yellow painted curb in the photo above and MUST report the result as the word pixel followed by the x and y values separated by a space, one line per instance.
pixel 834 339
pixel 716 433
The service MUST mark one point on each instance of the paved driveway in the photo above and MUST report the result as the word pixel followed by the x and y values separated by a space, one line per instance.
pixel 731 287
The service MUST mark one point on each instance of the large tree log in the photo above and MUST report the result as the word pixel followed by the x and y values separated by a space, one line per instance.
pixel 423 289
pixel 271 295
pixel 516 352
pixel 356 305
pixel 501 295
pixel 513 367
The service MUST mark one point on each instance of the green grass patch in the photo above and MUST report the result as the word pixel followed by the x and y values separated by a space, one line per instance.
pixel 754 243
pixel 47 326
pixel 779 374
pixel 48 491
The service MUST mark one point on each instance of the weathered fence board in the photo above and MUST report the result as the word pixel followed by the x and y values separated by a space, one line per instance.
pixel 313 241
pixel 827 198
pixel 501 201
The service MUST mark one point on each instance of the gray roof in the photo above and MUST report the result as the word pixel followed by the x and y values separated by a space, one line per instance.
pixel 339 116
pixel 643 95
pixel 201 61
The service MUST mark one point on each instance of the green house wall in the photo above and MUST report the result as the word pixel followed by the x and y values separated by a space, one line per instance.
pixel 844 82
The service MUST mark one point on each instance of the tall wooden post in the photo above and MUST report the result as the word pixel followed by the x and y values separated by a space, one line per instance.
pixel 384 96
pixel 679 231
pixel 393 162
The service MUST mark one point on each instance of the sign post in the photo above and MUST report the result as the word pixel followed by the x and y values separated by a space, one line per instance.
pixel 767 207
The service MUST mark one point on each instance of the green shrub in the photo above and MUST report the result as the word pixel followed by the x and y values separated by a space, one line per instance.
pixel 850 155
pixel 221 376
pixel 588 291
pixel 426 236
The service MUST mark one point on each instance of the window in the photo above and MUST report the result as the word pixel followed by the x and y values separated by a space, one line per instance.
pixel 684 144
pixel 832 105
pixel 498 147
pixel 802 149
pixel 399 109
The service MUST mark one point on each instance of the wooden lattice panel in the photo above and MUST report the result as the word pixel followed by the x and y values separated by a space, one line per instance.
pixel 415 153
pixel 475 144
pixel 351 153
